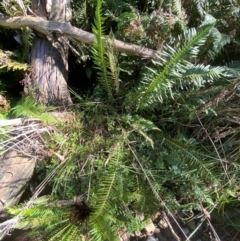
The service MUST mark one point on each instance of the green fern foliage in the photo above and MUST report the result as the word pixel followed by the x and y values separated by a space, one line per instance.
pixel 157 85
pixel 220 40
pixel 113 62
pixel 184 150
pixel 102 229
pixel 8 62
pixel 30 108
pixel 199 6
pixel 170 141
pixel 99 52
pixel 197 76
pixel 177 8
pixel 107 187
pixel 51 222
pixel 27 39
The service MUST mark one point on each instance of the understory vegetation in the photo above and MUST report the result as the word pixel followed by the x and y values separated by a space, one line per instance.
pixel 147 136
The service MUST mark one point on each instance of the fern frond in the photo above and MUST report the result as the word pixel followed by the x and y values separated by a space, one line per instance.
pixel 16 7
pixel 7 62
pixel 107 184
pixel 113 61
pixel 199 6
pixel 177 8
pixel 233 69
pixel 156 85
pixel 52 222
pixel 142 126
pixel 220 40
pixel 27 39
pixel 59 233
pixel 198 75
pixel 30 108
pixel 197 162
pixel 110 178
pixel 14 65
pixel 99 51
pixel 101 229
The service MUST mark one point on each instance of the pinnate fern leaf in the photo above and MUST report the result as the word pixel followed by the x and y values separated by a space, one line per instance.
pixel 99 52
pixel 173 63
pixel 8 63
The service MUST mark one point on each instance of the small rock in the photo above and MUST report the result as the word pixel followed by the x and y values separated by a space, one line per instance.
pixel 4 104
pixel 150 238
pixel 157 233
pixel 149 228
pixel 140 215
pixel 123 234
pixel 191 224
pixel 163 239
pixel 186 230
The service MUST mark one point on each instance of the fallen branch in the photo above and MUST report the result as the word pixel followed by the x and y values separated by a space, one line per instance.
pixel 48 27
pixel 13 122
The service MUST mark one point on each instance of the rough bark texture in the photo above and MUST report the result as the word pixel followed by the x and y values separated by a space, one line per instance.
pixel 49 59
pixel 49 73
pixel 15 172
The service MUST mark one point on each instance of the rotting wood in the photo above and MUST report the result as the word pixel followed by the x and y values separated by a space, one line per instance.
pixel 47 28
pixel 15 172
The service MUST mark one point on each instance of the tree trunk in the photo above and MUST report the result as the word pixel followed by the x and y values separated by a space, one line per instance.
pixel 49 57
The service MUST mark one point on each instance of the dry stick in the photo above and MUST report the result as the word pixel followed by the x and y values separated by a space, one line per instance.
pixel 203 220
pixel 214 231
pixel 170 226
pixel 90 180
pixel 13 122
pixel 48 27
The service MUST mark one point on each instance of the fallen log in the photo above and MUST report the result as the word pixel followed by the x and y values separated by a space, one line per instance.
pixel 47 28
pixel 15 172
pixel 19 153
pixel 22 146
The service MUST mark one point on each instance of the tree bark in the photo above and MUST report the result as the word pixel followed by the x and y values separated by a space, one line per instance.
pixel 49 58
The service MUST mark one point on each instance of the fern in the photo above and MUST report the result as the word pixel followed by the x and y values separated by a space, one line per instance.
pixel 108 182
pixel 30 108
pixel 113 62
pixel 199 75
pixel 101 229
pixel 27 38
pixel 142 126
pixel 220 40
pixel 15 7
pixel 99 52
pixel 52 222
pixel 196 161
pixel 177 8
pixel 199 6
pixel 161 84
pixel 8 62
